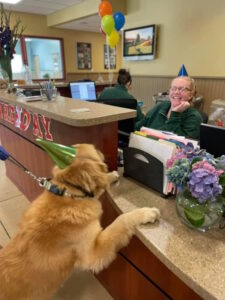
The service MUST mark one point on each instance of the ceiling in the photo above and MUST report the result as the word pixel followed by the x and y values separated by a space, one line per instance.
pixel 45 7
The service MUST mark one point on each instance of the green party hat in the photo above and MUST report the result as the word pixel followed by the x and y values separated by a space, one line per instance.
pixel 60 154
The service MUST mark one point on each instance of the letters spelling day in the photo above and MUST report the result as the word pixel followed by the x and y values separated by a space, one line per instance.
pixel 22 119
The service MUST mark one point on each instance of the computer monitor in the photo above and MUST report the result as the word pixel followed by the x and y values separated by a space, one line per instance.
pixel 83 90
pixel 212 138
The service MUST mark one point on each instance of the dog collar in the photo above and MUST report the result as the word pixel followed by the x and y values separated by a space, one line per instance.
pixel 53 188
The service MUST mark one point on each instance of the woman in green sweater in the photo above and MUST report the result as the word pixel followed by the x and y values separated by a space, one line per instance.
pixel 175 115
pixel 120 91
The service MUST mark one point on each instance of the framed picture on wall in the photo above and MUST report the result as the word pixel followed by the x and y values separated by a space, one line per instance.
pixel 109 57
pixel 84 56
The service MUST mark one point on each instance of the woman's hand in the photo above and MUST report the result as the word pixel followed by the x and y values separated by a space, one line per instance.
pixel 181 107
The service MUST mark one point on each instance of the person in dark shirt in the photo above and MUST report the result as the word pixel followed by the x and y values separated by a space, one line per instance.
pixel 120 91
pixel 175 115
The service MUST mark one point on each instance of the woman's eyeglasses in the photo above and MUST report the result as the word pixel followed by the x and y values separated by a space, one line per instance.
pixel 180 89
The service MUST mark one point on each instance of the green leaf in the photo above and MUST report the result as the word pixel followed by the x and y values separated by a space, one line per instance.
pixel 222 180
pixel 196 159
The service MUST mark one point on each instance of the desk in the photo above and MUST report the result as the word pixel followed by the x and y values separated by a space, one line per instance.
pixel 21 123
pixel 64 89
pixel 165 260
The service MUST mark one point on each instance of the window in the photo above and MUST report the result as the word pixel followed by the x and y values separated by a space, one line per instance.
pixel 17 63
pixel 43 55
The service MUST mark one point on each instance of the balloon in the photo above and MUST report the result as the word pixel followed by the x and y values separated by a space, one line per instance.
pixel 119 20
pixel 101 30
pixel 113 38
pixel 104 8
pixel 107 24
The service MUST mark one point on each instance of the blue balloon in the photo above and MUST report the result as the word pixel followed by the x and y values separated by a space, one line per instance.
pixel 119 20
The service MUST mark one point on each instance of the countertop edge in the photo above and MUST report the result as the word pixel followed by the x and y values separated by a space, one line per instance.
pixel 79 122
pixel 171 266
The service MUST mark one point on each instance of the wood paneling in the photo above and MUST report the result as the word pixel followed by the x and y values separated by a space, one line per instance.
pixel 144 87
pixel 30 156
pixel 124 282
pixel 23 147
pixel 100 135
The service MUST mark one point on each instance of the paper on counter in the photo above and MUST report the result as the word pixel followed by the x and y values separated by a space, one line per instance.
pixel 168 136
pixel 158 149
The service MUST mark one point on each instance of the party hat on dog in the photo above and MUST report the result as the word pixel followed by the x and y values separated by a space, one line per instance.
pixel 60 154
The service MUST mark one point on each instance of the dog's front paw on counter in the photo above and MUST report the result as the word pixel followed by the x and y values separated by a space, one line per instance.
pixel 113 177
pixel 149 215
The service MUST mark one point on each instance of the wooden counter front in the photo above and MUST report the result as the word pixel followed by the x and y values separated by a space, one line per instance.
pixel 22 122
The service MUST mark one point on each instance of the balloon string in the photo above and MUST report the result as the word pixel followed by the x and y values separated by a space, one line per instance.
pixel 108 53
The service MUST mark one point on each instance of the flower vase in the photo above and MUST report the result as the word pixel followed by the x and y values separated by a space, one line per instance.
pixel 200 216
pixel 6 70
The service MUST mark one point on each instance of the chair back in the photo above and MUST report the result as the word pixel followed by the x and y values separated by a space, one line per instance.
pixel 125 127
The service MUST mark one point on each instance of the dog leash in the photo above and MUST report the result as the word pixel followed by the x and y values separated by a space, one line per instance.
pixel 43 181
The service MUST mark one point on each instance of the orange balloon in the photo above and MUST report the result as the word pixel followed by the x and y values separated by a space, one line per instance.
pixel 104 8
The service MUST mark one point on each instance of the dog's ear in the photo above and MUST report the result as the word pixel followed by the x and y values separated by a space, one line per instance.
pixel 90 175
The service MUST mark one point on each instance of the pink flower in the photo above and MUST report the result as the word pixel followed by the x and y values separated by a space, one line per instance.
pixel 170 161
pixel 207 166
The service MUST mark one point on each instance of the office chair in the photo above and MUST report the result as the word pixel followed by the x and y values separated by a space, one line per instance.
pixel 125 127
pixel 204 116
pixel 198 103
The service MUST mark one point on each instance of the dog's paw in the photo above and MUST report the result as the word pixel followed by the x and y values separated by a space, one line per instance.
pixel 149 214
pixel 114 176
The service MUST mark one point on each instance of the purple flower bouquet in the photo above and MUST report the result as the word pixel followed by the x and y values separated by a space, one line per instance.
pixel 8 40
pixel 200 180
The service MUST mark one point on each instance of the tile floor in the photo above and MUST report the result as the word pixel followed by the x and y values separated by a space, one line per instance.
pixel 81 285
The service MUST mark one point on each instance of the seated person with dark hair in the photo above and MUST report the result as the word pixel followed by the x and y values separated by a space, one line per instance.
pixel 175 115
pixel 120 91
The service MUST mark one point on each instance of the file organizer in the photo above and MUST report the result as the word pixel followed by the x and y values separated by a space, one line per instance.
pixel 144 168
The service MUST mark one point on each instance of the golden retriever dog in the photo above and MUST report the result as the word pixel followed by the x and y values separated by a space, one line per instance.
pixel 60 233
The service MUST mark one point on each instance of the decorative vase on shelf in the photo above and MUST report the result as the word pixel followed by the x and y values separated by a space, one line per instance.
pixel 6 71
pixel 9 36
pixel 200 216
pixel 6 67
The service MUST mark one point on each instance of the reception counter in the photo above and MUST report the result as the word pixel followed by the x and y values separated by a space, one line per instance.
pixel 167 260
pixel 61 121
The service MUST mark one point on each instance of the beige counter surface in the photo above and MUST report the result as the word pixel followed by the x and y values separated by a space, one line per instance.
pixel 64 110
pixel 198 259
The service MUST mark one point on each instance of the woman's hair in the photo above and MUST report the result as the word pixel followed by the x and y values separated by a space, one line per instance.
pixel 124 77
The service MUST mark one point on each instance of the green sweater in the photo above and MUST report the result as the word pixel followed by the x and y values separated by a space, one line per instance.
pixel 120 92
pixel 185 124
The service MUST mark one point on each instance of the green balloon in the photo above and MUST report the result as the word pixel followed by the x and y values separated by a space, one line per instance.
pixel 62 155
pixel 107 24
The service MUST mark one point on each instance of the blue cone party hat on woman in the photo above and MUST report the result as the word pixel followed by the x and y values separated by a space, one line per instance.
pixel 183 71
pixel 60 154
